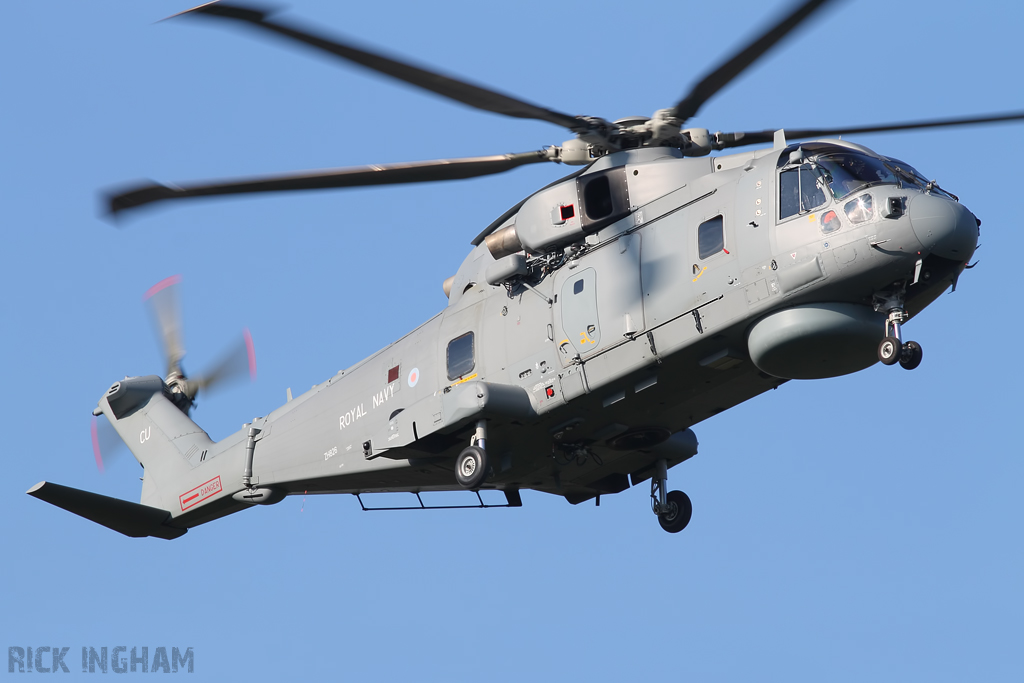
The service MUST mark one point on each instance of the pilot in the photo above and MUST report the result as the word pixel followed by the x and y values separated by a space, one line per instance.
pixel 850 171
pixel 811 190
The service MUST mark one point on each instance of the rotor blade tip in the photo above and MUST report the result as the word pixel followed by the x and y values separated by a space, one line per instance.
pixel 219 9
pixel 163 284
pixel 198 9
pixel 117 200
pixel 96 445
pixel 109 210
pixel 252 354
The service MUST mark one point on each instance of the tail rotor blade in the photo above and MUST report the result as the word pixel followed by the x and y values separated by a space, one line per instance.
pixel 163 304
pixel 237 363
pixel 107 446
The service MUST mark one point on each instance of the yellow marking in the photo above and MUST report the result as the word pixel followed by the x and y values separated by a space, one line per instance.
pixel 584 339
pixel 700 273
pixel 464 379
pixel 564 341
pixel 810 218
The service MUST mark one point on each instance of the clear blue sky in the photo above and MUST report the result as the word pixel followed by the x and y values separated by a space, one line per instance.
pixel 861 528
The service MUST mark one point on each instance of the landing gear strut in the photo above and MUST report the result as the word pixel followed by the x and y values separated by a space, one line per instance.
pixel 472 465
pixel 674 508
pixel 892 349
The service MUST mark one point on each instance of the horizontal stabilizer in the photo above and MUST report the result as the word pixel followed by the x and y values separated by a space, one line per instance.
pixel 130 519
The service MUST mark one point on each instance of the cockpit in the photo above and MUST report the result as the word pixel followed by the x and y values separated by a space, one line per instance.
pixel 812 174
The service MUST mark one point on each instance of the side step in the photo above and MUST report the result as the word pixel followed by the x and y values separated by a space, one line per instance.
pixel 512 500
pixel 130 519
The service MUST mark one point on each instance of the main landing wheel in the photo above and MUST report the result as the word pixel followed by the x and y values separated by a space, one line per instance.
pixel 890 350
pixel 911 356
pixel 471 467
pixel 677 513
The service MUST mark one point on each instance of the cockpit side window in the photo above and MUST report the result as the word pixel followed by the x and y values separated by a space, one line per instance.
pixel 789 193
pixel 799 191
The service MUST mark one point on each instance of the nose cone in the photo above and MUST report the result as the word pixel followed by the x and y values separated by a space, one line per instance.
pixel 944 226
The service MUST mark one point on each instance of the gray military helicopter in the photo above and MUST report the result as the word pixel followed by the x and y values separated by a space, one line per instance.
pixel 590 327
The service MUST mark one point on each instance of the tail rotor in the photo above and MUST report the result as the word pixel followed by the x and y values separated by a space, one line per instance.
pixel 234 364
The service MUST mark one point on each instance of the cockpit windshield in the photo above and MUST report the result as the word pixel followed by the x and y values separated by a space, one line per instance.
pixel 847 172
pixel 910 177
pixel 843 170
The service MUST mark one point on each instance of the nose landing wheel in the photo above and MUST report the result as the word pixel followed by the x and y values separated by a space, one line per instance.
pixel 892 349
pixel 911 355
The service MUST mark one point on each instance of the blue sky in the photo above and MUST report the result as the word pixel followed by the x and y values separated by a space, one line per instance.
pixel 865 527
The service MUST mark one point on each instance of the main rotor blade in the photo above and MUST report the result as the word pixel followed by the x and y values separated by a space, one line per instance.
pixel 162 301
pixel 724 74
pixel 727 140
pixel 357 176
pixel 446 86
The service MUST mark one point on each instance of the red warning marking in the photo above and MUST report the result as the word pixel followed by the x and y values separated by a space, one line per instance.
pixel 200 493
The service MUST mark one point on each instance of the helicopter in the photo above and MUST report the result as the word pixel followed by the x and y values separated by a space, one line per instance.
pixel 592 325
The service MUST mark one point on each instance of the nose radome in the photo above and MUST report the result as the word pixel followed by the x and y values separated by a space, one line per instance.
pixel 943 226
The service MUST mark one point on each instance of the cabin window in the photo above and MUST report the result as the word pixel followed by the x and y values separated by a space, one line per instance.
pixel 604 198
pixel 711 237
pixel 799 191
pixel 460 356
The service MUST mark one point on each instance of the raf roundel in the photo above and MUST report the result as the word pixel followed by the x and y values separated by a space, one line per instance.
pixel 414 376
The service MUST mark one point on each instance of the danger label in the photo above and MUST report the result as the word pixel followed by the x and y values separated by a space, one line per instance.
pixel 200 493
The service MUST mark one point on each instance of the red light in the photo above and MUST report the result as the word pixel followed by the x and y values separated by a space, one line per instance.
pixel 550 391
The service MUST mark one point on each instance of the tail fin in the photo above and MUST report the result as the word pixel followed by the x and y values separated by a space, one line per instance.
pixel 161 436
pixel 163 439
pixel 131 519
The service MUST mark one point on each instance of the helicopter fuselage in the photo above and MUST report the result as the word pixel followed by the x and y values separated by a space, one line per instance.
pixel 630 314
